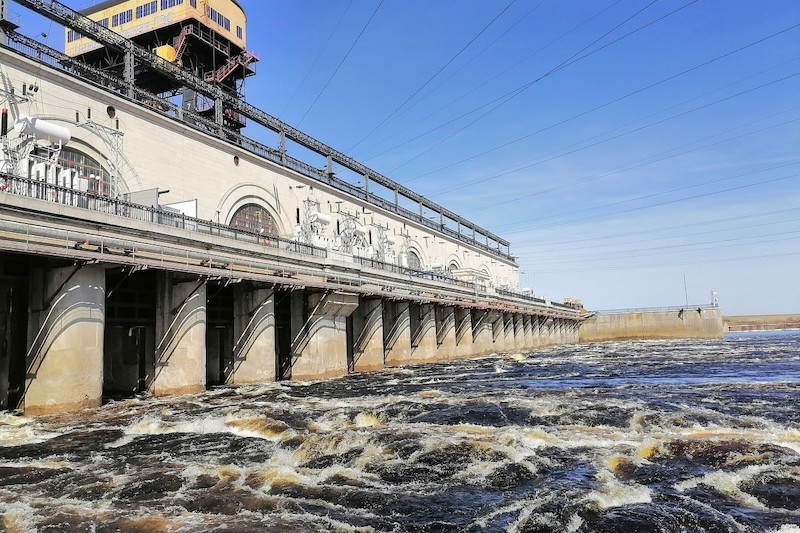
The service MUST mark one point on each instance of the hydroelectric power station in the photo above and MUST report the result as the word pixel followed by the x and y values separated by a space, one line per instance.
pixel 147 244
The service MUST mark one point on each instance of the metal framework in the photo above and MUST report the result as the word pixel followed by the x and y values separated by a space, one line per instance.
pixel 58 12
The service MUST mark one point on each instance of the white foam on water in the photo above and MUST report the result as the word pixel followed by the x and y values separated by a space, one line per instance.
pixel 17 430
pixel 614 493
pixel 787 528
pixel 18 517
pixel 728 483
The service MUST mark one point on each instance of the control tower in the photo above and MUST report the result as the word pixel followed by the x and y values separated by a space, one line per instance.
pixel 207 37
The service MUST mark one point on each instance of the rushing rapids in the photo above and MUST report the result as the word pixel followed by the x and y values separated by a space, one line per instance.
pixel 617 437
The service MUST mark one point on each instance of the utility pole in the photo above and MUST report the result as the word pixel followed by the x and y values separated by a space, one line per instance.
pixel 685 291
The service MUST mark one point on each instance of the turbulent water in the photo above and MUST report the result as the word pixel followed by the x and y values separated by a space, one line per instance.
pixel 616 437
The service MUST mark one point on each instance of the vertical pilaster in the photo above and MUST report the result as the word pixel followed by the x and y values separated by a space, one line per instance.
pixel 320 348
pixel 463 323
pixel 65 340
pixel 396 332
pixel 181 336
pixel 368 350
pixel 254 336
pixel 423 332
pixel 445 332
pixel 483 331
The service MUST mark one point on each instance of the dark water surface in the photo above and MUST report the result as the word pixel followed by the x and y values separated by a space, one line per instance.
pixel 686 436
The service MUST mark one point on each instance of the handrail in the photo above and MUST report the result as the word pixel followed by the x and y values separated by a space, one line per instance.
pixel 38 52
pixel 58 12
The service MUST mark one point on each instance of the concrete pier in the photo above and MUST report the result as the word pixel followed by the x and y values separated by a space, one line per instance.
pixel 446 347
pixel 463 330
pixel 180 366
pixel 368 350
pixel 397 332
pixel 254 359
pixel 66 326
pixel 423 333
pixel 320 349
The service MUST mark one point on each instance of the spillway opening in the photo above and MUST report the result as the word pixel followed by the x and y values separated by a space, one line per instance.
pixel 130 333
pixel 283 334
pixel 14 280
pixel 219 333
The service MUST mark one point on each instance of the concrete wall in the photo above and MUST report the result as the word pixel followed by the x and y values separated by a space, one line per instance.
pixel 162 153
pixel 65 337
pixel 656 324
pixel 761 322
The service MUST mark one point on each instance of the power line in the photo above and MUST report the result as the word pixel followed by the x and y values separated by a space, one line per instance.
pixel 488 80
pixel 316 59
pixel 596 108
pixel 513 94
pixel 670 248
pixel 595 238
pixel 417 91
pixel 694 262
pixel 653 195
pixel 340 63
pixel 639 208
pixel 629 132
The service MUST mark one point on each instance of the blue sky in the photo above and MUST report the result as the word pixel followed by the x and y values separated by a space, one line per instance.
pixel 622 146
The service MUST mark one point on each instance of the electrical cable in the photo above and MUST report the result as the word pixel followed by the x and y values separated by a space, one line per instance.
pixel 316 59
pixel 417 91
pixel 352 46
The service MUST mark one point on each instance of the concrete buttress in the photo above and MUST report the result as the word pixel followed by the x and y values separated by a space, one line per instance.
pixel 319 350
pixel 65 340
pixel 423 332
pixel 464 344
pixel 396 332
pixel 445 332
pixel 254 336
pixel 368 326
pixel 180 366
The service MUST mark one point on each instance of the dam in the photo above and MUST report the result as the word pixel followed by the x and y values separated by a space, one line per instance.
pixel 148 245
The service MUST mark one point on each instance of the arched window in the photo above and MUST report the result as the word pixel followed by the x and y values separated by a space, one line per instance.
pixel 253 217
pixel 414 262
pixel 87 168
pixel 451 267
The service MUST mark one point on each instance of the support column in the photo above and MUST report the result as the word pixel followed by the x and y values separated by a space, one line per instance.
pixel 180 336
pixel 254 359
pixel 65 340
pixel 498 331
pixel 445 332
pixel 527 333
pixel 483 331
pixel 423 332
pixel 396 332
pixel 519 332
pixel 320 348
pixel 368 335
pixel 508 332
pixel 464 344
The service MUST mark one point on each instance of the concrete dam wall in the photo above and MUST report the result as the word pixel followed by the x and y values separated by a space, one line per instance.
pixel 702 322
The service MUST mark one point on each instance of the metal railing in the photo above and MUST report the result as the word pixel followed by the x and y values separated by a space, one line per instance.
pixel 39 52
pixel 665 309
pixel 62 14
pixel 113 206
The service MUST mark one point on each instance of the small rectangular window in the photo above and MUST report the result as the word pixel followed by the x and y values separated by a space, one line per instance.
pixel 239 32
pixel 103 22
pixel 193 3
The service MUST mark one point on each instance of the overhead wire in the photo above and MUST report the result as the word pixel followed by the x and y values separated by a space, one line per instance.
pixel 618 136
pixel 659 204
pixel 339 66
pixel 489 80
pixel 513 94
pixel 435 74
pixel 654 194
pixel 595 238
pixel 606 104
pixel 316 59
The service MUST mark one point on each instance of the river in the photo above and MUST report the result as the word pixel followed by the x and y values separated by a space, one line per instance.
pixel 653 436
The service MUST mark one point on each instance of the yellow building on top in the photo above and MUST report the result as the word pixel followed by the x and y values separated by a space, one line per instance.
pixel 206 37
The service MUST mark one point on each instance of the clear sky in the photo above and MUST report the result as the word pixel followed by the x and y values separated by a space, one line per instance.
pixel 622 146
